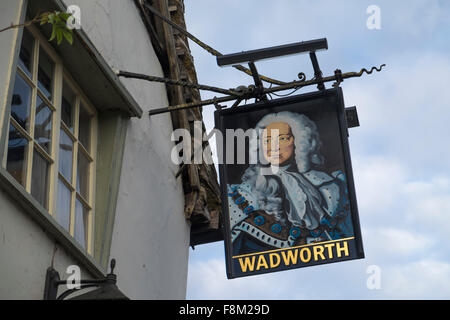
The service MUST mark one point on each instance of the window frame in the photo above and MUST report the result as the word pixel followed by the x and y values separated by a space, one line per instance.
pixel 28 133
pixel 116 108
pixel 81 100
pixel 60 77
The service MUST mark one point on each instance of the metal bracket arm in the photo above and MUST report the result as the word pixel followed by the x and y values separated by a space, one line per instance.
pixel 317 71
pixel 339 77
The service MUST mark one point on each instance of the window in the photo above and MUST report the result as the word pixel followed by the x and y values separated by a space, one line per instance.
pixel 52 138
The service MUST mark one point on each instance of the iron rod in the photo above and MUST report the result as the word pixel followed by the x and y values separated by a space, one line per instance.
pixel 291 85
pixel 272 52
pixel 133 75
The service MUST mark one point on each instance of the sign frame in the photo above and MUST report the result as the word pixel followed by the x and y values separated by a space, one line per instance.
pixel 344 249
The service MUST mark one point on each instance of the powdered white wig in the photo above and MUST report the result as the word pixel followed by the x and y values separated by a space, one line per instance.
pixel 307 144
pixel 306 137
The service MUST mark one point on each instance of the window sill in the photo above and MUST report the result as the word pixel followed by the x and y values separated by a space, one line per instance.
pixel 30 206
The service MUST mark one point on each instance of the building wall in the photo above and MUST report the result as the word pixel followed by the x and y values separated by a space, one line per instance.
pixel 26 251
pixel 151 236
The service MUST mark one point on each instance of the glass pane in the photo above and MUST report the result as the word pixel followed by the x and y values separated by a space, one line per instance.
pixel 83 175
pixel 64 199
pixel 21 100
pixel 43 125
pixel 65 156
pixel 68 106
pixel 85 128
pixel 26 52
pixel 45 74
pixel 16 163
pixel 40 179
pixel 81 223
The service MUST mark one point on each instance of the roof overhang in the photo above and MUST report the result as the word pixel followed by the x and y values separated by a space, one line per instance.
pixel 87 66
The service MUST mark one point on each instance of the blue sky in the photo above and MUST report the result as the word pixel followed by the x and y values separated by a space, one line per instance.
pixel 400 153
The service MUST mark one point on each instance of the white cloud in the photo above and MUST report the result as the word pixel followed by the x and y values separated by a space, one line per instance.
pixel 424 279
pixel 429 205
pixel 393 197
pixel 418 18
pixel 401 161
pixel 207 280
pixel 377 181
pixel 403 112
pixel 396 242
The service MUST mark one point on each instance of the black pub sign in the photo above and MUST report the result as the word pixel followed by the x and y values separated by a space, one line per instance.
pixel 287 186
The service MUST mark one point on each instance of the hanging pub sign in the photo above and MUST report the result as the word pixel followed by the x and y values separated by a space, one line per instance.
pixel 287 186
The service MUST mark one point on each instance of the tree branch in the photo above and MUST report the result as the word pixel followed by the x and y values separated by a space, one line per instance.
pixel 27 23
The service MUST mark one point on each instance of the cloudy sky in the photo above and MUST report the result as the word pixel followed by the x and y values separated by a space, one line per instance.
pixel 400 153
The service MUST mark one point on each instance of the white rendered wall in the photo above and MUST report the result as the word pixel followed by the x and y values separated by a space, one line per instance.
pixel 26 251
pixel 151 236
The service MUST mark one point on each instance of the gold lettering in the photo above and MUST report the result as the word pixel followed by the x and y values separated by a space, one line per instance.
pixel 318 251
pixel 290 257
pixel 340 249
pixel 246 263
pixel 329 246
pixel 302 255
pixel 262 263
pixel 272 263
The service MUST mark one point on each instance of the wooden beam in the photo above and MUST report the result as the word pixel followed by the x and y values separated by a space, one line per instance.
pixel 176 97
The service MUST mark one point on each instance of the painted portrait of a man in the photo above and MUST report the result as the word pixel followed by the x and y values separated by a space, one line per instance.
pixel 287 198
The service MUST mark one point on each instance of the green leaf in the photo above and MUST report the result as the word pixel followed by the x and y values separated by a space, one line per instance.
pixel 53 33
pixel 44 19
pixel 68 35
pixel 65 15
pixel 51 18
pixel 61 25
pixel 59 35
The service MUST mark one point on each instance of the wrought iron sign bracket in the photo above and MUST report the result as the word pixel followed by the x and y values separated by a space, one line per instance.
pixel 339 79
pixel 317 71
pixel 107 288
pixel 256 91
pixel 242 92
pixel 217 105
pixel 259 88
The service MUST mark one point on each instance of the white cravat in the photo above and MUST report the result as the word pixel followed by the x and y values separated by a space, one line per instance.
pixel 297 198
